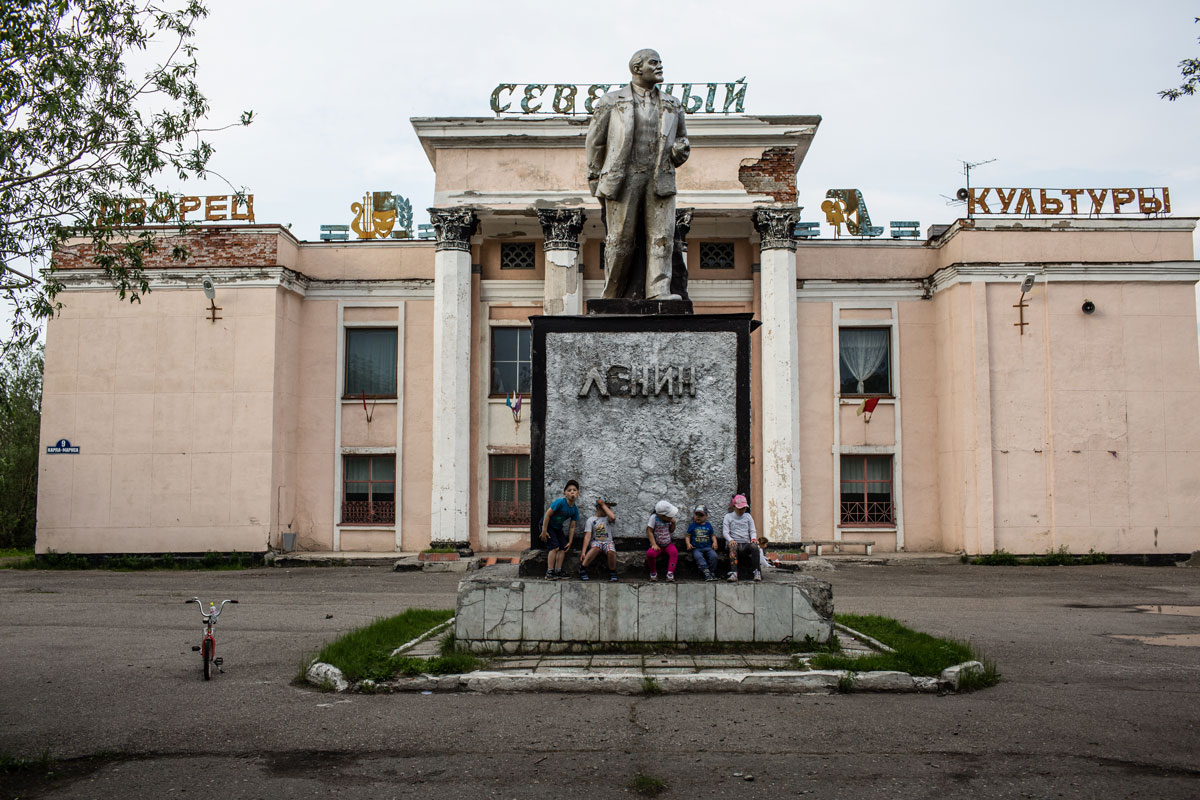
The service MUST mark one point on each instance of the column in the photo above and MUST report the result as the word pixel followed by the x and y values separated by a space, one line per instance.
pixel 450 502
pixel 780 379
pixel 561 227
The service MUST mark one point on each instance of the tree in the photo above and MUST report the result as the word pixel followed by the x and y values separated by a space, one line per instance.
pixel 20 419
pixel 80 137
pixel 1190 69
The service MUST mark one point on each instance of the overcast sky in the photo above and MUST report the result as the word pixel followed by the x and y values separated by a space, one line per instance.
pixel 1061 94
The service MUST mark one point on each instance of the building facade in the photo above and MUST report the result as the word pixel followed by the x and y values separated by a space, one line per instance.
pixel 358 395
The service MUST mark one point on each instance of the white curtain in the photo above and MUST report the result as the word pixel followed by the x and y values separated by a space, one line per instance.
pixel 864 351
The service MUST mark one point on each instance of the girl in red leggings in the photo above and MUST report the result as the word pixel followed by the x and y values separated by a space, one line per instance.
pixel 659 528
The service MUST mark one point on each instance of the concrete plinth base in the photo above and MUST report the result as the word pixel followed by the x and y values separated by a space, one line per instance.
pixel 631 565
pixel 498 615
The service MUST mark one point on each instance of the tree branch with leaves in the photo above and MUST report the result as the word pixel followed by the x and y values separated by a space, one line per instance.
pixel 1190 69
pixel 79 136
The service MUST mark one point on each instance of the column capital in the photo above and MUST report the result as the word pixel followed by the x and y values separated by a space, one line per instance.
pixel 777 226
pixel 683 224
pixel 454 227
pixel 561 227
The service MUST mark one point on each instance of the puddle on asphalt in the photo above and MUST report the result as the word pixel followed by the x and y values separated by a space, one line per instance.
pixel 1169 639
pixel 1186 611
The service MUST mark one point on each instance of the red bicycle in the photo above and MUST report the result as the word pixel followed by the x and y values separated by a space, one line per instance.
pixel 208 645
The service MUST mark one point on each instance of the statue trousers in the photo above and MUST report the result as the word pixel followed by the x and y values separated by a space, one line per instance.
pixel 639 203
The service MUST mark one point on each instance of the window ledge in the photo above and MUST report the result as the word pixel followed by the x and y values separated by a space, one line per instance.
pixel 854 399
pixel 359 399
pixel 367 527
pixel 882 527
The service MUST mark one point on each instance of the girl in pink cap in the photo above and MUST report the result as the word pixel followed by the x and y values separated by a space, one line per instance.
pixel 742 537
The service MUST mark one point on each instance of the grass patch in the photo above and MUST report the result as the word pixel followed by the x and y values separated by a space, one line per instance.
pixel 846 683
pixel 970 681
pixel 916 653
pixel 650 685
pixel 647 785
pixel 366 652
pixel 136 562
pixel 1062 557
pixel 15 552
pixel 440 550
pixel 17 765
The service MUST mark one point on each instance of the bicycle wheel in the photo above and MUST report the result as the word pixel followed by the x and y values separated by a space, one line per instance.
pixel 206 658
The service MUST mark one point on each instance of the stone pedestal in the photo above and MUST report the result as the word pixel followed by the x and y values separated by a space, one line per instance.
pixel 450 500
pixel 639 409
pixel 502 615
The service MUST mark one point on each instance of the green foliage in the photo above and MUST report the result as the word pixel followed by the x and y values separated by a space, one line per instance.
pixel 440 550
pixel 20 424
pixel 650 685
pixel 366 652
pixel 136 562
pixel 647 785
pixel 1189 68
pixel 972 681
pixel 845 684
pixel 82 135
pixel 42 765
pixel 1061 557
pixel 451 664
pixel 916 653
pixel 1000 558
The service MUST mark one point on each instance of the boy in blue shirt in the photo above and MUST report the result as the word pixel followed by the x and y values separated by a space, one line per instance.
pixel 700 537
pixel 556 534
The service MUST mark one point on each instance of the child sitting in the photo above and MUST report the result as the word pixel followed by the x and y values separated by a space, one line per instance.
pixel 742 537
pixel 555 534
pixel 700 536
pixel 597 538
pixel 659 528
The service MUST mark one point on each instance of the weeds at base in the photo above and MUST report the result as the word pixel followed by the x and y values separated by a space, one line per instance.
pixel 845 684
pixel 975 680
pixel 647 785
pixel 12 765
pixel 1062 557
pixel 651 685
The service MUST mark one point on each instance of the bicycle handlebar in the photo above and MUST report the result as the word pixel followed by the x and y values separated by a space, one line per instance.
pixel 213 613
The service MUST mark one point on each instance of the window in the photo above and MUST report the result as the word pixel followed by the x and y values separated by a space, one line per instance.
pixel 512 370
pixel 517 255
pixel 370 362
pixel 867 490
pixel 369 489
pixel 508 490
pixel 865 357
pixel 716 255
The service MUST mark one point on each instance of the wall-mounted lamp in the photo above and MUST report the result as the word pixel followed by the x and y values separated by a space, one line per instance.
pixel 1021 305
pixel 1088 307
pixel 210 291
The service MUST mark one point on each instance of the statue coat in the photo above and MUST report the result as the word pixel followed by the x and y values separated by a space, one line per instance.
pixel 610 142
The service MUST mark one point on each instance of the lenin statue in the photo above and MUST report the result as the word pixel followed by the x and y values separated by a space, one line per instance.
pixel 635 141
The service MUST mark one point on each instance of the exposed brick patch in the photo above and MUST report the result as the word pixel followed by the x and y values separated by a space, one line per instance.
pixel 437 557
pixel 208 246
pixel 774 174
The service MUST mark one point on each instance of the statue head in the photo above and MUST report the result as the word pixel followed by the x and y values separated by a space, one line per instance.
pixel 646 68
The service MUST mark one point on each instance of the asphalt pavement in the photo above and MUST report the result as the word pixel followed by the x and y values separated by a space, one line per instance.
pixel 96 669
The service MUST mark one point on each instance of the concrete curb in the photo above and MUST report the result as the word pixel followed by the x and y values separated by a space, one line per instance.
pixel 617 682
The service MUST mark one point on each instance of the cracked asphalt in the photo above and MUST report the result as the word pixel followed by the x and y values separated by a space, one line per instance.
pixel 97 669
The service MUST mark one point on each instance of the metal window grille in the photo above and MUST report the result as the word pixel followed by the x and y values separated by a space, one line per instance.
pixel 508 490
pixel 370 362
pixel 517 255
pixel 851 342
pixel 867 490
pixel 716 255
pixel 512 366
pixel 369 490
